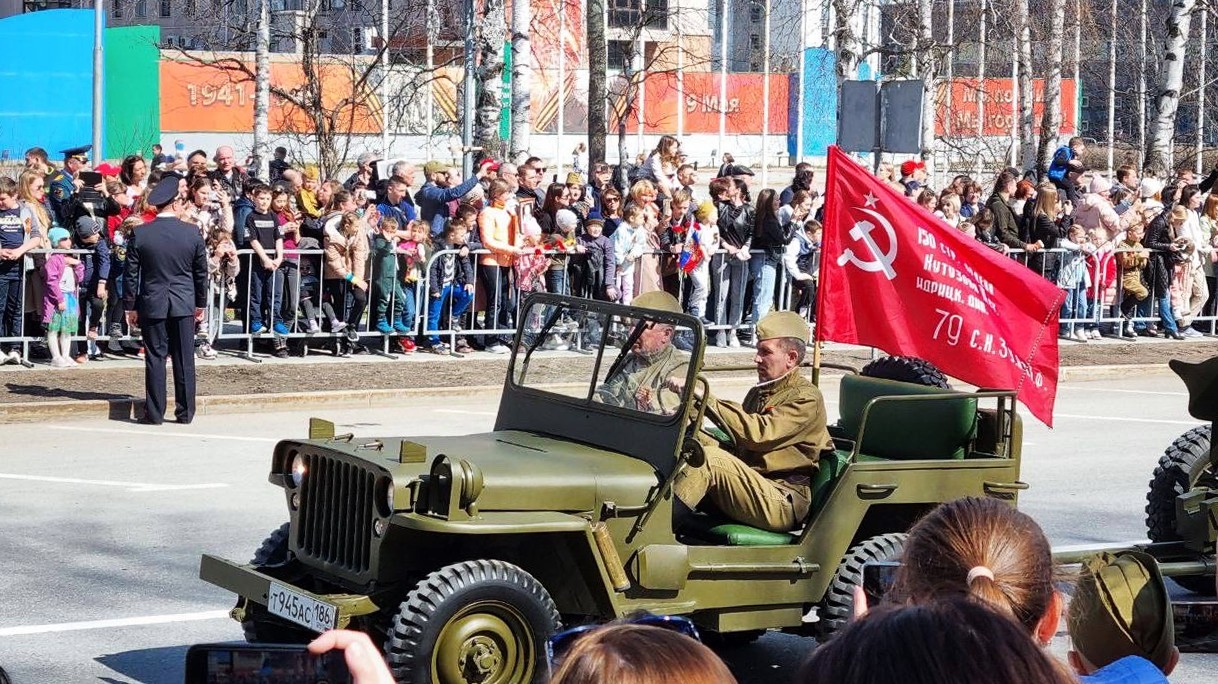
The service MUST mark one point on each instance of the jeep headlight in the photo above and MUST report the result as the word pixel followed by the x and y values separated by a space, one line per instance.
pixel 385 505
pixel 297 472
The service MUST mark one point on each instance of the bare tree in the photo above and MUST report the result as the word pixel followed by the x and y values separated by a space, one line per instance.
pixel 1027 152
pixel 491 36
pixel 1160 155
pixel 1051 120
pixel 598 91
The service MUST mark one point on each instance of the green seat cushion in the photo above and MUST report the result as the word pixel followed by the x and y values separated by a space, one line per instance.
pixel 832 465
pixel 736 534
pixel 906 430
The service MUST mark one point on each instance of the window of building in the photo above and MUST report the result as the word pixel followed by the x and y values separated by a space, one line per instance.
pixel 619 53
pixel 192 8
pixel 118 9
pixel 166 8
pixel 141 8
pixel 755 14
pixel 754 41
pixel 631 13
pixel 357 40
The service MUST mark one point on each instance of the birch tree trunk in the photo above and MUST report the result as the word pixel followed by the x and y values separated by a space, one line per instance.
pixel 491 35
pixel 1051 121
pixel 598 91
pixel 1161 155
pixel 262 91
pixel 928 65
pixel 847 41
pixel 628 114
pixel 1027 140
pixel 522 78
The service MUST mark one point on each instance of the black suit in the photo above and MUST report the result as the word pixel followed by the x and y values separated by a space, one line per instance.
pixel 166 283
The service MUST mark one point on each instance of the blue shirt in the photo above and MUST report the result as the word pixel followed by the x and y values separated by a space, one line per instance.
pixel 12 236
pixel 1061 162
pixel 433 202
pixel 1127 670
pixel 404 212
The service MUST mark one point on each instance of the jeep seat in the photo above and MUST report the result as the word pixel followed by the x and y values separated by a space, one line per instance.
pixel 715 530
pixel 905 430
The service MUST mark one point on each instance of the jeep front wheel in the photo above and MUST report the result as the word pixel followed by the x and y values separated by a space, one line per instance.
pixel 837 608
pixel 259 626
pixel 1184 465
pixel 477 622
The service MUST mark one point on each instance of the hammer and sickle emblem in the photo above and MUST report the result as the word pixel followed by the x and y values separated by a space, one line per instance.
pixel 881 260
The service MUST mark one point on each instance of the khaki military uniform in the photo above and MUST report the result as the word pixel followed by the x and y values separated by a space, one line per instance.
pixel 641 383
pixel 778 434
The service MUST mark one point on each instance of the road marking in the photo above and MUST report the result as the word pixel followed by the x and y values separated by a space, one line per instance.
pixel 130 486
pixel 113 623
pixel 1122 391
pixel 1192 423
pixel 167 433
pixel 466 413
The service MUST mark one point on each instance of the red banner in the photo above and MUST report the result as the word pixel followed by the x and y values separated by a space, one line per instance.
pixel 895 277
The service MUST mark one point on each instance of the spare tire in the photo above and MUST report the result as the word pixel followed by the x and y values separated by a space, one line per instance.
pixel 1184 465
pixel 906 369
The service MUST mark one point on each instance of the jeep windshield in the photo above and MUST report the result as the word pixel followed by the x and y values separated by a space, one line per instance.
pixel 636 361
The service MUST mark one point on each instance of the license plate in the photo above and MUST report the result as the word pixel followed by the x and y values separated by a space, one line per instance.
pixel 301 609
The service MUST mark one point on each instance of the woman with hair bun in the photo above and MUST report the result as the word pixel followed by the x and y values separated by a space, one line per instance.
pixel 639 654
pixel 984 550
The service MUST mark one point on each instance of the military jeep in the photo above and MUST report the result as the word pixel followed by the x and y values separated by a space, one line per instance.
pixel 461 555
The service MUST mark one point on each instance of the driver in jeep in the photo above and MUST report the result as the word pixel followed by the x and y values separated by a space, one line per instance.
pixel 642 379
pixel 778 433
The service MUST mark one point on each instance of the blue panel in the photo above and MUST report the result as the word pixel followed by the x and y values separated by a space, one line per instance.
pixel 46 81
pixel 819 117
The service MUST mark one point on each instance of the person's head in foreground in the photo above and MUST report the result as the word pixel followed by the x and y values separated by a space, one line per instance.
pixel 638 654
pixel 982 549
pixel 1121 608
pixel 952 641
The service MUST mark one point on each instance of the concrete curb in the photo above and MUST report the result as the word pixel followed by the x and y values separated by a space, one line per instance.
pixel 129 408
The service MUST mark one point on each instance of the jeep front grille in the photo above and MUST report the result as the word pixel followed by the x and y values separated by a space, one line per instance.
pixel 334 524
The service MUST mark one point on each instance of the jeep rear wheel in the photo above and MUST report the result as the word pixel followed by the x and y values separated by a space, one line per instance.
pixel 477 622
pixel 259 626
pixel 1184 465
pixel 906 369
pixel 837 608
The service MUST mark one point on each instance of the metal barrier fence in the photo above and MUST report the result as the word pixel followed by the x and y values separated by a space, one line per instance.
pixel 308 303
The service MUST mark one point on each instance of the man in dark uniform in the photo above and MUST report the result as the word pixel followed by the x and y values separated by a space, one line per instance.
pixel 62 184
pixel 164 294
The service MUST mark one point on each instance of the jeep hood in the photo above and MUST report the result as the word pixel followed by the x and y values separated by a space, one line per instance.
pixel 525 471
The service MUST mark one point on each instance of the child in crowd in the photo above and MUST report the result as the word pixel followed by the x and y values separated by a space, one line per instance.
pixel 1072 277
pixel 118 265
pixel 413 252
pixel 266 239
pixel 310 287
pixel 1102 265
pixel 451 278
pixel 386 293
pixel 701 241
pixel 94 284
pixel 594 272
pixel 531 263
pixel 629 244
pixel 289 270
pixel 802 259
pixel 983 226
pixel 1132 258
pixel 222 268
pixel 61 308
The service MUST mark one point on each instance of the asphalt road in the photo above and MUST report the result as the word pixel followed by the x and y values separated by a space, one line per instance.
pixel 102 523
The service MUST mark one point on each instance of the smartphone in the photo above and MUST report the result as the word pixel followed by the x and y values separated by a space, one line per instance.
pixel 90 178
pixel 1196 623
pixel 878 577
pixel 370 194
pixel 263 663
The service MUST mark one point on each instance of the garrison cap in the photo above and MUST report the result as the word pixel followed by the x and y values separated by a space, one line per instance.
pixel 81 151
pixel 1121 608
pixel 658 300
pixel 165 191
pixel 778 324
pixel 575 178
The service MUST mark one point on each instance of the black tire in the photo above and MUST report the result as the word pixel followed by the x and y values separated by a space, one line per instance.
pixel 1184 465
pixel 837 608
pixel 906 369
pixel 486 608
pixel 259 626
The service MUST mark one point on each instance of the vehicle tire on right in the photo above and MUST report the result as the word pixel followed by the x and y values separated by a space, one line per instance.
pixel 906 369
pixel 259 626
pixel 837 608
pixel 1184 465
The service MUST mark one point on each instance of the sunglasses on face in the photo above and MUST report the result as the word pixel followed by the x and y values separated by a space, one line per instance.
pixel 559 645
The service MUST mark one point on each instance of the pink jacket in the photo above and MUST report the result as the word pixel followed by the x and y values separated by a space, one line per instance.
pixel 52 273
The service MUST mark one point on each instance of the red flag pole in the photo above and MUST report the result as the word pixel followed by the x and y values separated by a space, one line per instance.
pixel 830 202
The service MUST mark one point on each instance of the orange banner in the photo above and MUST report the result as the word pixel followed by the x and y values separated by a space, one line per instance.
pixel 998 95
pixel 211 98
pixel 701 103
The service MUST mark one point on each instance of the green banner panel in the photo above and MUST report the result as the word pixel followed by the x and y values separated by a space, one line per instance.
pixel 132 90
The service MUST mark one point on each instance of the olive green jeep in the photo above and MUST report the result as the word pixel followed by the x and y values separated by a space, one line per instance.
pixel 461 555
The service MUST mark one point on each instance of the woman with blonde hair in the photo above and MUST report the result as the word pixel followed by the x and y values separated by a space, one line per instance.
pixel 661 165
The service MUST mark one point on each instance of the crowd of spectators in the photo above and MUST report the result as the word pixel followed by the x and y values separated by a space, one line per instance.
pixel 394 254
